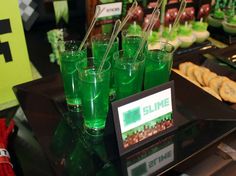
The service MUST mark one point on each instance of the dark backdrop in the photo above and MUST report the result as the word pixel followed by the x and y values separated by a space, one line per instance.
pixel 36 38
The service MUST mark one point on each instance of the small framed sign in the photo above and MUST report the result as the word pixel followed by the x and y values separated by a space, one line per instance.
pixel 143 117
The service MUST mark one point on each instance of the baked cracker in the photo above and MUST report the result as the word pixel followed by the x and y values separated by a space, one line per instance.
pixel 212 92
pixel 228 91
pixel 216 83
pixel 190 71
pixel 198 73
pixel 207 76
pixel 183 67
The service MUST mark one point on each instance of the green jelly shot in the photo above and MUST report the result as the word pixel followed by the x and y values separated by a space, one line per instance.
pixel 130 43
pixel 99 46
pixel 94 94
pixel 158 64
pixel 128 75
pixel 69 58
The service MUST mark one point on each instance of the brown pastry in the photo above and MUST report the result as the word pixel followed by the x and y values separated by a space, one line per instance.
pixel 228 91
pixel 212 92
pixel 207 76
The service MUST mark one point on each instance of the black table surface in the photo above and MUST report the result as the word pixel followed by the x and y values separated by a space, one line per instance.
pixel 201 122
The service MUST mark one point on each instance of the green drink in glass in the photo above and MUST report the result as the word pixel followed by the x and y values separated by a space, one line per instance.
pixel 69 56
pixel 130 43
pixel 94 94
pixel 128 75
pixel 158 63
pixel 99 46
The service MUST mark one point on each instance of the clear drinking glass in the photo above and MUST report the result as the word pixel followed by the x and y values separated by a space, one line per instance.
pixel 130 43
pixel 99 46
pixel 128 74
pixel 94 94
pixel 158 64
pixel 69 57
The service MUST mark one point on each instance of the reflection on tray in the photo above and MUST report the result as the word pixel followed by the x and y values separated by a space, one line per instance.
pixel 174 148
pixel 151 159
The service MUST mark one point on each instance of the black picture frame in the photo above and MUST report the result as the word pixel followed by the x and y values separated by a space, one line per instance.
pixel 143 94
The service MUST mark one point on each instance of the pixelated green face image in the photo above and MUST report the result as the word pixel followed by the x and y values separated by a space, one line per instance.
pixel 132 116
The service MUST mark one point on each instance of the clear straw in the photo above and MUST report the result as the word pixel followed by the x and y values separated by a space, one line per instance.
pixel 117 28
pixel 111 41
pixel 176 22
pixel 129 14
pixel 154 18
pixel 181 10
pixel 157 7
pixel 95 17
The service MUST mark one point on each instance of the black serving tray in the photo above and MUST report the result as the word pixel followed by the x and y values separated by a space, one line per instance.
pixel 213 63
pixel 221 35
pixel 226 55
pixel 59 139
pixel 194 47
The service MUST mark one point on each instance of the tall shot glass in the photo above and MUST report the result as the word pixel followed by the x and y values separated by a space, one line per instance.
pixel 128 74
pixel 158 64
pixel 99 46
pixel 94 86
pixel 69 57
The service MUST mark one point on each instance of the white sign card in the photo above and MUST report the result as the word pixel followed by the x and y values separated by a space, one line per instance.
pixel 140 118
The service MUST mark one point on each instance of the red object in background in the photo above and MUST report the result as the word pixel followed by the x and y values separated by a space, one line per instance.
pixel 146 21
pixel 5 165
pixel 170 16
pixel 203 11
pixel 172 1
pixel 151 5
pixel 187 15
pixel 137 15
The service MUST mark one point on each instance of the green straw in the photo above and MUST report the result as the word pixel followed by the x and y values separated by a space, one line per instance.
pixel 163 12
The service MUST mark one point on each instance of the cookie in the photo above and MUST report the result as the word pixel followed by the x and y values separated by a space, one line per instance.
pixel 207 76
pixel 228 91
pixel 212 92
pixel 215 83
pixel 183 67
pixel 189 72
pixel 198 73
pixel 181 74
